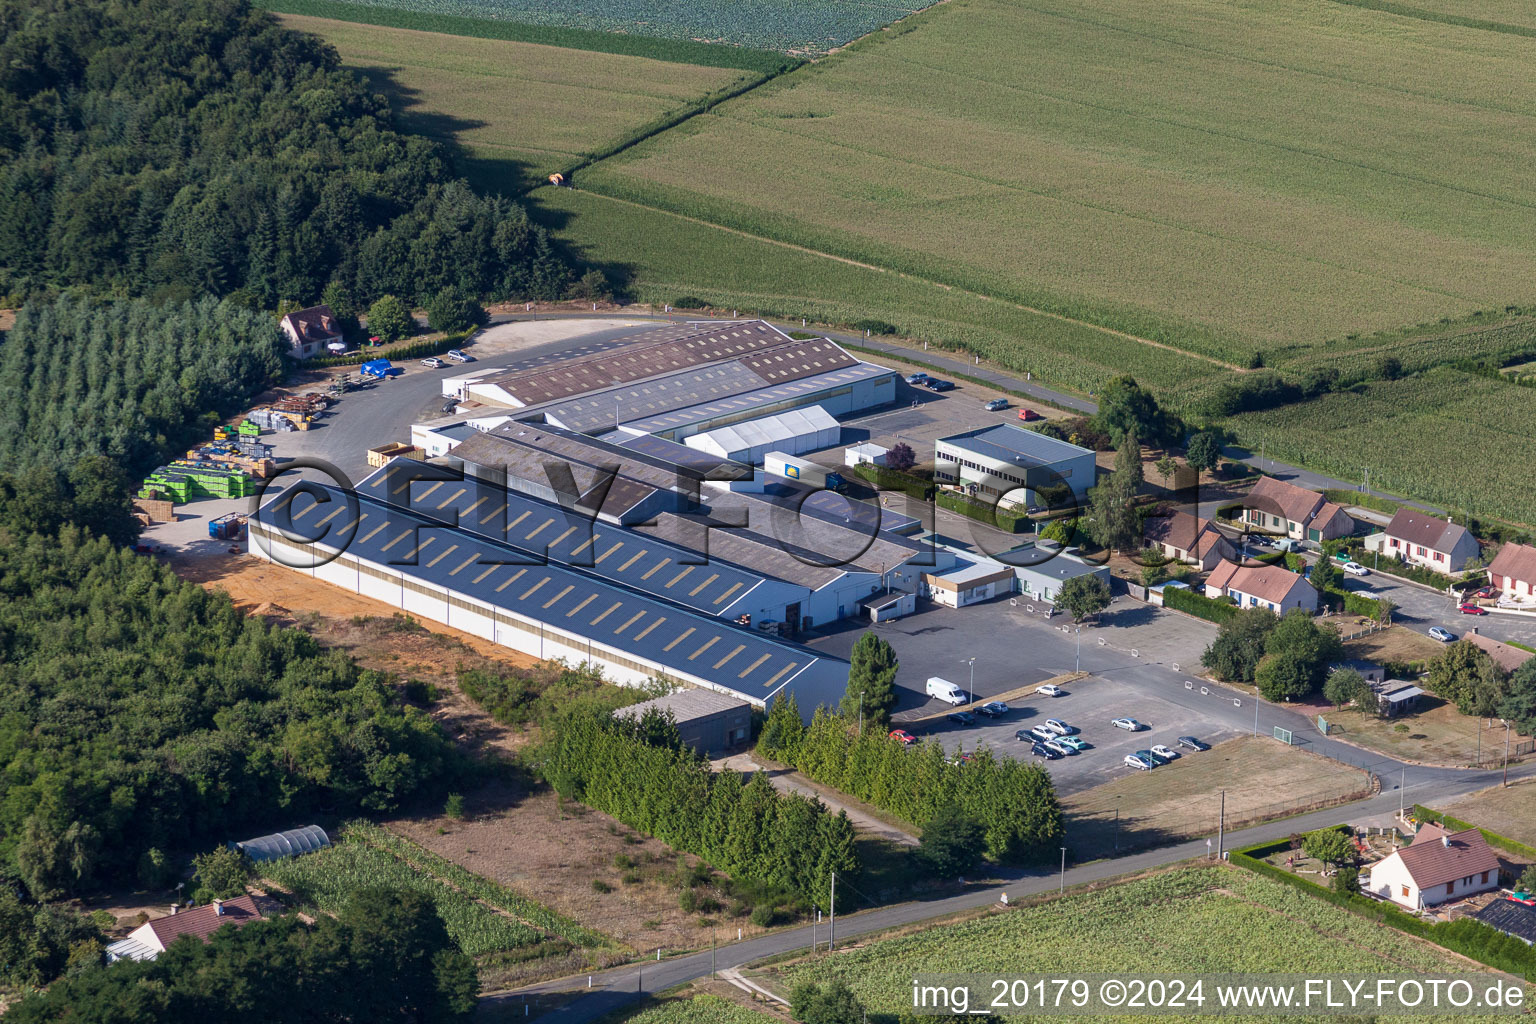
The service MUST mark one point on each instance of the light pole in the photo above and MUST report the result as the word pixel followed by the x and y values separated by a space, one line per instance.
pixel 1078 665
pixel 971 689
pixel 1117 824
pixel 1063 887
pixel 1255 711
pixel 1506 753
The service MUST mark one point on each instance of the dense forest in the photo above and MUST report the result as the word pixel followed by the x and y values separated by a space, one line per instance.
pixel 140 712
pixel 176 148
pixel 94 394
pixel 385 957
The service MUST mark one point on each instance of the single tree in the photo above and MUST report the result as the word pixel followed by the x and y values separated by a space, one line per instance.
pixel 1325 576
pixel 219 874
pixel 1346 881
pixel 871 679
pixel 1329 845
pixel 1124 408
pixel 900 457
pixel 1239 645
pixel 1466 676
pixel 593 285
pixel 452 310
pixel 1297 653
pixel 1167 467
pixel 1528 878
pixel 1343 686
pixel 952 843
pixel 833 1003
pixel 1519 703
pixel 1084 596
pixel 1112 519
pixel 1153 573
pixel 389 319
pixel 1203 452
pixel 1389 367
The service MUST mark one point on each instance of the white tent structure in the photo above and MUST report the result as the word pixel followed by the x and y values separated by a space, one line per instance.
pixel 792 432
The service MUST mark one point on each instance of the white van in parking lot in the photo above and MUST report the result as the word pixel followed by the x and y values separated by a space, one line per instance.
pixel 946 691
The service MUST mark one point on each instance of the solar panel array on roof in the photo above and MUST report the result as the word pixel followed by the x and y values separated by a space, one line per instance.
pixel 564 600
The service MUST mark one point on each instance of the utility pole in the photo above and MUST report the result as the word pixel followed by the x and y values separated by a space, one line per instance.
pixel 1402 781
pixel 1255 712
pixel 832 921
pixel 1063 887
pixel 1221 827
pixel 1506 753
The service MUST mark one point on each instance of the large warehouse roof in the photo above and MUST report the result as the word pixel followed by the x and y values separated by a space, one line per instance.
pixel 792 424
pixel 564 600
pixel 1008 443
pixel 763 398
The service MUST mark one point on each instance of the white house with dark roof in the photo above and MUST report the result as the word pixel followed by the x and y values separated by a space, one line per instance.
pixel 310 331
pixel 1418 538
pixel 1275 506
pixel 1261 586
pixel 1439 867
pixel 1513 572
pixel 1186 538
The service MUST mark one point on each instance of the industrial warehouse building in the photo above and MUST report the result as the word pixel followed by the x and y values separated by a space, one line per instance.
pixel 683 379
pixel 794 433
pixel 709 722
pixel 1010 465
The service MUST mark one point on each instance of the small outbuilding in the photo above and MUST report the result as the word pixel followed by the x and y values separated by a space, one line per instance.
pixel 1512 918
pixel 865 454
pixel 888 605
pixel 284 844
pixel 793 432
pixel 709 722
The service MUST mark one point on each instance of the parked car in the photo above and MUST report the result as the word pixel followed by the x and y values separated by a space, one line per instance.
pixel 1075 742
pixel 933 384
pixel 1041 750
pixel 1128 724
pixel 1042 734
pixel 433 363
pixel 1442 634
pixel 1164 751
pixel 1060 747
pixel 1147 755
pixel 1484 594
pixel 1025 735
pixel 962 718
pixel 451 406
pixel 903 737
pixel 1138 762
pixel 1050 690
pixel 1193 744
pixel 1058 727
pixel 1356 569
pixel 916 378
pixel 1472 609
pixel 993 709
pixel 1029 415
pixel 459 357
pixel 996 405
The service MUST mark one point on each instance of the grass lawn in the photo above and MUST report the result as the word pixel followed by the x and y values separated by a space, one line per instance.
pixel 517 111
pixel 1263 779
pixel 1399 643
pixel 1227 179
pixel 1509 812
pixel 1439 734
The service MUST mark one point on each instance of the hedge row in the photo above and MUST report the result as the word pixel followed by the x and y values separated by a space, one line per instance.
pixel 895 480
pixel 1494 839
pixel 1351 602
pixel 1186 600
pixel 1466 936
pixel 980 510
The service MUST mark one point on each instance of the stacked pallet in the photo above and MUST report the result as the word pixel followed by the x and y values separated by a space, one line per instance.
pixel 185 480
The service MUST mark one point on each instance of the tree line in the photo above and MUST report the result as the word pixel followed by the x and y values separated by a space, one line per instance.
pixel 1013 802
pixel 636 770
pixel 192 147
pixel 140 713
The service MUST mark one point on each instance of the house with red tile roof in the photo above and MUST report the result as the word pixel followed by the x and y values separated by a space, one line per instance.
pixel 1513 572
pixel 1418 538
pixel 1186 538
pixel 149 940
pixel 1506 656
pixel 310 331
pixel 1440 866
pixel 1261 586
pixel 1274 506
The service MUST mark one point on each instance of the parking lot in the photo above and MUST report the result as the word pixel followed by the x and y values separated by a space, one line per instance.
pixel 1014 649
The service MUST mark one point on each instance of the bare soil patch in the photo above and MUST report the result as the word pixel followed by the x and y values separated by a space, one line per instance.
pixel 1438 734
pixel 1397 643
pixel 1508 811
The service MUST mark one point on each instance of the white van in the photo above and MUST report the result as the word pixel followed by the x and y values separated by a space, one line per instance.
pixel 946 691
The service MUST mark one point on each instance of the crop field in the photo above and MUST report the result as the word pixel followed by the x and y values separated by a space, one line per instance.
pixel 792 26
pixel 1194 920
pixel 701 1009
pixel 325 880
pixel 670 256
pixel 1415 435
pixel 1511 16
pixel 1224 178
pixel 516 111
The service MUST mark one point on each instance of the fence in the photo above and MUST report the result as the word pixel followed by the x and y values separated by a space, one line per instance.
pixel 1518 750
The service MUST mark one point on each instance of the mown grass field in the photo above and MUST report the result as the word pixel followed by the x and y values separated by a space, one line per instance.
pixel 516 111
pixel 1189 921
pixel 792 26
pixel 700 1009
pixel 1508 811
pixel 1455 439
pixel 1226 178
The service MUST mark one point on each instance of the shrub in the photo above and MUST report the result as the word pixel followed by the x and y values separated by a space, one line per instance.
pixel 764 915
pixel 630 878
pixel 600 886
pixel 874 326
pixel 451 310
pixel 687 900
pixel 389 319
pixel 709 905
pixel 688 302
pixel 1185 600
pixel 454 807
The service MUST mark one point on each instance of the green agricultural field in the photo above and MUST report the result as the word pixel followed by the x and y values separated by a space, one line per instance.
pixel 325 880
pixel 1197 920
pixel 1509 16
pixel 1420 436
pixel 792 26
pixel 1228 178
pixel 670 256
pixel 516 111
pixel 701 1009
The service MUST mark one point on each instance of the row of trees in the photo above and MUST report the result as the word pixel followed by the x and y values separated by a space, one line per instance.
pixel 1287 656
pixel 1466 676
pixel 141 713
pixel 638 771
pixel 385 957
pixel 193 147
pixel 1013 802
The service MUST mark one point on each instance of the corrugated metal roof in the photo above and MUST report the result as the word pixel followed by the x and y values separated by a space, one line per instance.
pixel 1008 443
pixel 806 388
pixel 686 705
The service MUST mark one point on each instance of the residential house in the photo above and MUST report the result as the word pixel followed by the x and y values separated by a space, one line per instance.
pixel 1440 866
pixel 1186 538
pixel 1513 572
pixel 1418 538
pixel 1504 655
pixel 1261 586
pixel 310 331
pixel 149 940
pixel 1275 506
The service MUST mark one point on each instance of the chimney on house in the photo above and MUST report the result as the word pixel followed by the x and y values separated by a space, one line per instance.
pixel 175 909
pixel 1471 629
pixel 1445 841
pixel 218 905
